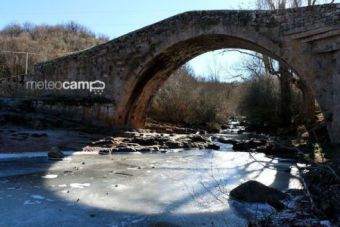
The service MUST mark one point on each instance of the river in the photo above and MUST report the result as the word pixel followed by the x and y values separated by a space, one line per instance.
pixel 176 188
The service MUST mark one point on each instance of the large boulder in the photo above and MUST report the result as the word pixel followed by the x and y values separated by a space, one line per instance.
pixel 255 192
pixel 55 153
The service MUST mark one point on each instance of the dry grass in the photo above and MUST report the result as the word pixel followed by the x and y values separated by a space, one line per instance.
pixel 191 102
pixel 45 40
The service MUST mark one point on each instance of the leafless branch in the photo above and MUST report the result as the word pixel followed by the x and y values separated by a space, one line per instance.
pixel 242 52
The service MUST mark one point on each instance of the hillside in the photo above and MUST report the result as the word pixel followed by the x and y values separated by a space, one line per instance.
pixel 43 42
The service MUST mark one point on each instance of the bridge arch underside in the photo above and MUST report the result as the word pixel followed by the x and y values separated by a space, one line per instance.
pixel 156 71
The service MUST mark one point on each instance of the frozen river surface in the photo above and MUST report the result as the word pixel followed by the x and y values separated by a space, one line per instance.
pixel 185 188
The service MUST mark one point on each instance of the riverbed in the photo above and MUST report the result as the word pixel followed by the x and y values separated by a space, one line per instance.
pixel 176 188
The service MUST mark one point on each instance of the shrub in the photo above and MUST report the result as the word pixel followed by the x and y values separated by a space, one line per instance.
pixel 191 102
pixel 260 102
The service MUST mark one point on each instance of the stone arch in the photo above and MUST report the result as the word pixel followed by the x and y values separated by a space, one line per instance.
pixel 159 67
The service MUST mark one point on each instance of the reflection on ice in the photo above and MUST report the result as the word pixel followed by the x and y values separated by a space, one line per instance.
pixel 179 183
pixel 188 188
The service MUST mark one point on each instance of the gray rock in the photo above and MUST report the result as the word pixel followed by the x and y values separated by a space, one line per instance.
pixel 124 149
pixel 55 153
pixel 255 192
pixel 213 146
pixel 240 146
pixel 173 144
pixel 248 144
pixel 104 152
pixel 145 141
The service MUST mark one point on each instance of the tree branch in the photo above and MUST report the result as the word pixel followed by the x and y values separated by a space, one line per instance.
pixel 242 52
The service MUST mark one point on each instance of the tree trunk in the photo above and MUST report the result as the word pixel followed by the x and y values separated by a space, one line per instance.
pixel 308 106
pixel 286 99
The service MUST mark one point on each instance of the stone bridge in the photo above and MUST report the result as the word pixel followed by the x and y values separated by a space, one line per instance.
pixel 135 65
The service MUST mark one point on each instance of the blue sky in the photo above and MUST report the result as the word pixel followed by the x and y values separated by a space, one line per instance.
pixel 110 17
pixel 118 17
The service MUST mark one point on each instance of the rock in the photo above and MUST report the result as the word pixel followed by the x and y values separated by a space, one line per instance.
pixel 213 146
pixel 253 143
pixel 147 148
pixel 173 144
pixel 55 153
pixel 249 144
pixel 124 149
pixel 241 131
pixel 240 146
pixel 203 132
pixel 154 142
pixel 279 151
pixel 255 192
pixel 225 126
pixel 104 152
pixel 265 148
pixel 106 142
pixel 145 141
pixel 243 123
pixel 187 145
pixel 276 204
pixel 198 138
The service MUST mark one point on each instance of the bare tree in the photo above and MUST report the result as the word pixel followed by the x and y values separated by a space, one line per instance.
pixel 285 74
